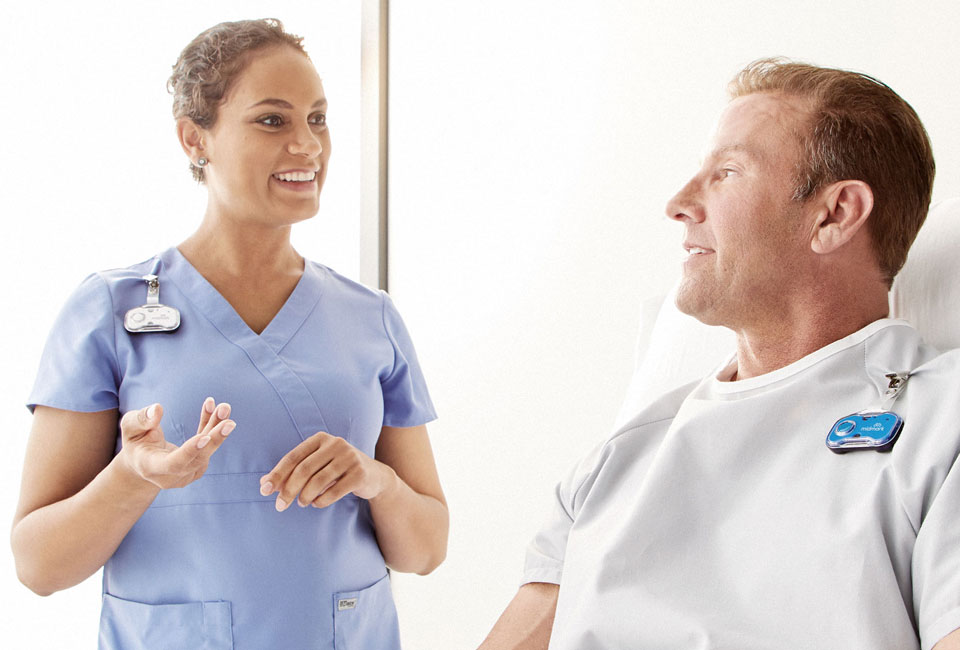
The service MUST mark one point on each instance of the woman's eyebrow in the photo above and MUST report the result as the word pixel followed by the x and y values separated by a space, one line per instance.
pixel 282 103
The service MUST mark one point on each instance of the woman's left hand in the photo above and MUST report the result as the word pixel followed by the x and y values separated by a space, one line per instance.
pixel 322 470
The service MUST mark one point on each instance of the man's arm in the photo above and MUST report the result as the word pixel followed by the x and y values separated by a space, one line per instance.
pixel 526 622
pixel 949 642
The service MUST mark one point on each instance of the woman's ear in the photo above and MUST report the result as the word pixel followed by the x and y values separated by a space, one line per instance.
pixel 191 138
pixel 843 211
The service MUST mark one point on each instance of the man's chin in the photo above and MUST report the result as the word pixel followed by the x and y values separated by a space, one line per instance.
pixel 694 301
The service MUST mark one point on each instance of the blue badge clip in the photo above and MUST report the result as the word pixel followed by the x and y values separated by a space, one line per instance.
pixel 873 429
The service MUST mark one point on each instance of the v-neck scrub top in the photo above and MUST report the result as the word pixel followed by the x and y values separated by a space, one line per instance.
pixel 719 519
pixel 213 565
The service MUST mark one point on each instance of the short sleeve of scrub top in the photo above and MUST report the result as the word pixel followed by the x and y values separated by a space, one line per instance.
pixel 405 397
pixel 336 358
pixel 79 370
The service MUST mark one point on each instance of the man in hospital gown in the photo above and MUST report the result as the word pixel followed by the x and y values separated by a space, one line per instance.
pixel 718 517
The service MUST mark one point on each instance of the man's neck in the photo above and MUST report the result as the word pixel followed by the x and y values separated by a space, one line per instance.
pixel 766 346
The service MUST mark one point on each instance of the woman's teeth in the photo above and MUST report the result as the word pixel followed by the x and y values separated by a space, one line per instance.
pixel 296 176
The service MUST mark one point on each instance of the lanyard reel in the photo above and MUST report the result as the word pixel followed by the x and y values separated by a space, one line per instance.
pixel 871 429
pixel 152 317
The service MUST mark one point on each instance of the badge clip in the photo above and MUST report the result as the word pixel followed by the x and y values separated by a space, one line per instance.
pixel 876 429
pixel 152 317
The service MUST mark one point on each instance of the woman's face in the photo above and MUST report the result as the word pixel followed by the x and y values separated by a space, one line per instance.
pixel 269 148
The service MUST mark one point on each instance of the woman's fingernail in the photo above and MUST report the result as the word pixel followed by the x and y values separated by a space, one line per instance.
pixel 223 411
pixel 203 442
pixel 208 405
pixel 151 411
pixel 228 427
pixel 266 488
pixel 281 505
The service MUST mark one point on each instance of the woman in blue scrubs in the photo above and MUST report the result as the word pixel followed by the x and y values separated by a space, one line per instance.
pixel 243 477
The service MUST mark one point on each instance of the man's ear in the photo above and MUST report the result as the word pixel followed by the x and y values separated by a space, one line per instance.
pixel 843 210
pixel 191 138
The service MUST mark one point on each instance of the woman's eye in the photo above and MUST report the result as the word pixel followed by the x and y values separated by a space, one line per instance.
pixel 318 119
pixel 271 120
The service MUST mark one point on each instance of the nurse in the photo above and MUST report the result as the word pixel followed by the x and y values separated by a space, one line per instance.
pixel 266 517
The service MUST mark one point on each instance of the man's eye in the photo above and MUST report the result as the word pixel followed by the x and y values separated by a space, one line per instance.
pixel 271 120
pixel 724 173
pixel 318 119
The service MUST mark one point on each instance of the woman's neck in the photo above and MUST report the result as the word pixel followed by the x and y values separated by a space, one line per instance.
pixel 223 248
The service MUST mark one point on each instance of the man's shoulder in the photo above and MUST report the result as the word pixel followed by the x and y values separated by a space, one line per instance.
pixel 934 387
pixel 660 410
pixel 941 366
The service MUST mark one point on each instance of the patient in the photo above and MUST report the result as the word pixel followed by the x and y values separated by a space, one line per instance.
pixel 720 516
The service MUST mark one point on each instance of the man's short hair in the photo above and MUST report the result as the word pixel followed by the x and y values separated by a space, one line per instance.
pixel 859 129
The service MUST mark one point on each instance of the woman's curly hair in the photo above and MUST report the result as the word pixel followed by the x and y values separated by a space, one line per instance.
pixel 208 66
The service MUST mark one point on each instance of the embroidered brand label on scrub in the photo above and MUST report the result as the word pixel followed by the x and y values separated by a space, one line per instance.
pixel 346 603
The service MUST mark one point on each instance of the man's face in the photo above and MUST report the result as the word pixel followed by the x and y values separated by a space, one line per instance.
pixel 748 241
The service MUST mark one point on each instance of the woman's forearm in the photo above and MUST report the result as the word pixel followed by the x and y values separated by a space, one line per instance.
pixel 411 527
pixel 63 543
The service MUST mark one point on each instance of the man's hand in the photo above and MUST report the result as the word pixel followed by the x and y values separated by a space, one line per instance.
pixel 949 642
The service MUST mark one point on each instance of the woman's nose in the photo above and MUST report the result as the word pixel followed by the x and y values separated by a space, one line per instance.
pixel 306 143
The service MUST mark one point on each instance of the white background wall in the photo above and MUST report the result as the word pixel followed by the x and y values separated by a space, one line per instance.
pixel 93 178
pixel 533 145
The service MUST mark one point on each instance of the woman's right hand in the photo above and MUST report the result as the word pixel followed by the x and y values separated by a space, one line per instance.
pixel 153 458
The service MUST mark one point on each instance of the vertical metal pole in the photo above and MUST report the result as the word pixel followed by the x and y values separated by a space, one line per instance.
pixel 374 64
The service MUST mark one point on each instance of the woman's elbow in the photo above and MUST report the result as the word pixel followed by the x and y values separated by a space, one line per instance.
pixel 433 562
pixel 439 552
pixel 422 562
pixel 30 570
pixel 33 579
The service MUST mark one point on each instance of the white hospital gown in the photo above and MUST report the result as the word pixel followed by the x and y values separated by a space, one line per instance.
pixel 718 518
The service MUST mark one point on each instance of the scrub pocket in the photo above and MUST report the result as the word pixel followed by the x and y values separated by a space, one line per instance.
pixel 366 619
pixel 126 625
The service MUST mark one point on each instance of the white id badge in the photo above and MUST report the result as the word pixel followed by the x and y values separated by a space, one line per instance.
pixel 152 317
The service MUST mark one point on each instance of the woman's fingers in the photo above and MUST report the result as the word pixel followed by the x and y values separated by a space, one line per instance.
pixel 137 424
pixel 213 427
pixel 217 414
pixel 275 479
pixel 318 464
pixel 205 443
pixel 206 411
pixel 319 483
pixel 163 463
pixel 320 471
pixel 188 462
pixel 333 493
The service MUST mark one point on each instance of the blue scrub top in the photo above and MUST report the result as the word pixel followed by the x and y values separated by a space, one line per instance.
pixel 213 565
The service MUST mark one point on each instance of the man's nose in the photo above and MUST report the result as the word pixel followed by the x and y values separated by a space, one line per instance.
pixel 686 204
